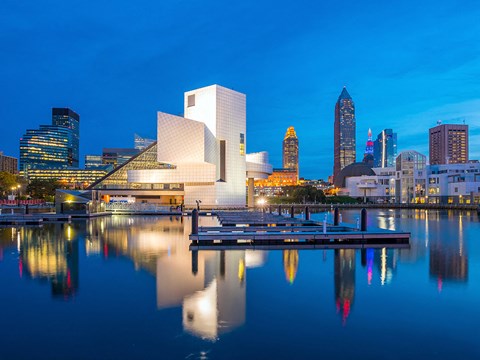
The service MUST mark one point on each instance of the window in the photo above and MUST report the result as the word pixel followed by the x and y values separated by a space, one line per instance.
pixel 242 144
pixel 222 160
pixel 191 100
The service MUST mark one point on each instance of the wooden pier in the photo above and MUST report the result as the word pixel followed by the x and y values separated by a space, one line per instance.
pixel 255 230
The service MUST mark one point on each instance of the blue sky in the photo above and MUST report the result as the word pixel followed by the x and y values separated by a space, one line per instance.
pixel 406 64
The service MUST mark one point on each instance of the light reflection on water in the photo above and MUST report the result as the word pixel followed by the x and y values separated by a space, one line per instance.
pixel 207 290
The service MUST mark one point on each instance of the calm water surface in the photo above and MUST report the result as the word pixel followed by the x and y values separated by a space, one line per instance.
pixel 128 287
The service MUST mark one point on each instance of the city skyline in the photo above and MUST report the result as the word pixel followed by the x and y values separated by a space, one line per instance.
pixel 112 73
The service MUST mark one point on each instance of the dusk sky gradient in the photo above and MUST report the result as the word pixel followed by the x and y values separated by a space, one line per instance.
pixel 406 65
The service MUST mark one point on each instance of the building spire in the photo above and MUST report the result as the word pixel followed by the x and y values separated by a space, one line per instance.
pixel 344 94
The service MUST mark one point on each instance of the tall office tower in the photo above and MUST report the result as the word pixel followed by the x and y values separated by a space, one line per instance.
pixel 69 119
pixel 344 132
pixel 141 143
pixel 290 150
pixel 385 149
pixel 448 144
pixel 368 155
pixel 47 147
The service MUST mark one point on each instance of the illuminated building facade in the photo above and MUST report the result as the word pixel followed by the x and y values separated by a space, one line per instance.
pixel 290 150
pixel 279 178
pixel 95 162
pixel 70 119
pixel 70 178
pixel 344 132
pixel 448 144
pixel 199 158
pixel 8 163
pixel 47 147
pixel 385 149
pixel 410 183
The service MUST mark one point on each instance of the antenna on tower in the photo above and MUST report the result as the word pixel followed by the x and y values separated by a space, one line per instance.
pixel 439 122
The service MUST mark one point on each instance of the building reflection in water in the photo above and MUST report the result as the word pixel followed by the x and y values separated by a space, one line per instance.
pixel 344 277
pixel 51 253
pixel 220 306
pixel 8 239
pixel 210 286
pixel 290 264
pixel 448 255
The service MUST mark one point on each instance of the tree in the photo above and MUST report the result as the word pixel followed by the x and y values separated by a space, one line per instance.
pixel 43 189
pixel 305 194
pixel 7 181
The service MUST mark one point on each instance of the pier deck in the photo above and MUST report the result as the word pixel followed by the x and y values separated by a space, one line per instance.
pixel 32 219
pixel 252 230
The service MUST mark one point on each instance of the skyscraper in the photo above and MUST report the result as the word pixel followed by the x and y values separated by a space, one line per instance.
pixel 448 144
pixel 385 149
pixel 344 132
pixel 69 119
pixel 368 155
pixel 46 147
pixel 290 150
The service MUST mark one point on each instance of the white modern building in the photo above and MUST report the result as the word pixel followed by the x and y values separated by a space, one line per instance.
pixel 198 159
pixel 454 183
pixel 379 187
pixel 413 181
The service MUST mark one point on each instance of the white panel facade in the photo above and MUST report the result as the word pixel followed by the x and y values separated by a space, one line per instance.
pixel 182 140
pixel 184 173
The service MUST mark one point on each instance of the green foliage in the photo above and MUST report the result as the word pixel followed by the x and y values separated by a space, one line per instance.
pixel 43 189
pixel 299 195
pixel 342 200
pixel 7 181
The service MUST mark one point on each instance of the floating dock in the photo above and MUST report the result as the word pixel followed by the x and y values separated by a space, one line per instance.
pixel 263 231
pixel 32 219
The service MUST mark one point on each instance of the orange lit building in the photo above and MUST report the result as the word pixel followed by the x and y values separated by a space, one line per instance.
pixel 279 177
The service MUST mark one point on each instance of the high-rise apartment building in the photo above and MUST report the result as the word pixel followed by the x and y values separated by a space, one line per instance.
pixel 385 149
pixel 70 119
pixel 290 150
pixel 448 144
pixel 46 147
pixel 8 163
pixel 344 132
